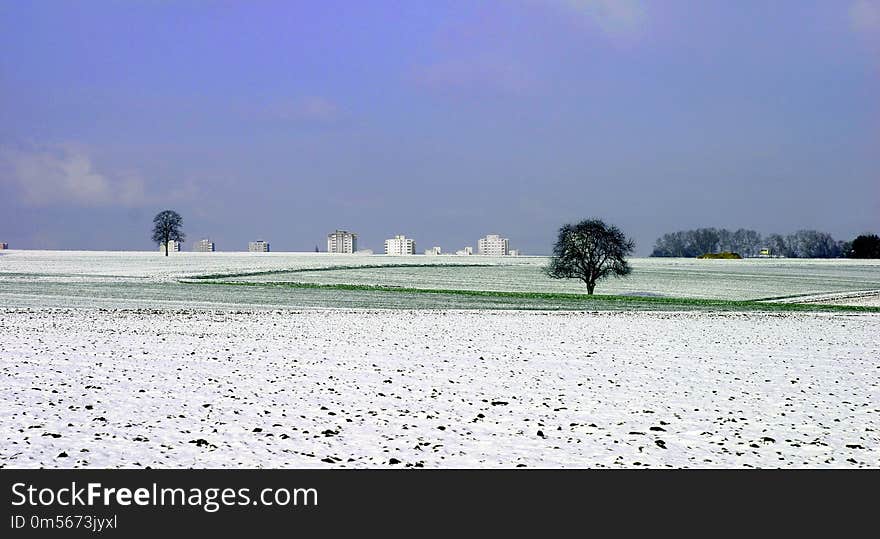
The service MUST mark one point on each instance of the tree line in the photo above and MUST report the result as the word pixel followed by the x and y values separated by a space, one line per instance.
pixel 801 244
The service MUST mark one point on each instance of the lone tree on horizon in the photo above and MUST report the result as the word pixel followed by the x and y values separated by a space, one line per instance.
pixel 590 251
pixel 166 228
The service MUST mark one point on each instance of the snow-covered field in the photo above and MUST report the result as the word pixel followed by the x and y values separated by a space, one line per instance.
pixel 691 278
pixel 107 360
pixel 157 267
pixel 122 279
pixel 438 389
pixel 869 298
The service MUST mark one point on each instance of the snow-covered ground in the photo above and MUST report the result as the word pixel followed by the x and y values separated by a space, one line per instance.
pixel 866 298
pixel 155 266
pixel 112 274
pixel 108 360
pixel 752 279
pixel 171 388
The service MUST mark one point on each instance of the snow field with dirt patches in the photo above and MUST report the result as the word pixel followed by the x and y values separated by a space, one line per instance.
pixel 171 388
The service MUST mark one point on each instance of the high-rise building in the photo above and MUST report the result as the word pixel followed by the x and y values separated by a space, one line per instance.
pixel 400 245
pixel 493 245
pixel 173 247
pixel 342 241
pixel 204 246
pixel 258 246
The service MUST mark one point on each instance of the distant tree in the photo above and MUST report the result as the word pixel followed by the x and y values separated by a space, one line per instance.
pixel 801 244
pixel 725 241
pixel 776 244
pixel 316 248
pixel 811 244
pixel 865 246
pixel 691 243
pixel 167 227
pixel 673 244
pixel 746 242
pixel 705 240
pixel 590 251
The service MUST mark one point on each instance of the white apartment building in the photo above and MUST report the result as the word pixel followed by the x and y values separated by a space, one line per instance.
pixel 493 245
pixel 204 246
pixel 400 245
pixel 467 251
pixel 173 247
pixel 433 251
pixel 342 241
pixel 258 246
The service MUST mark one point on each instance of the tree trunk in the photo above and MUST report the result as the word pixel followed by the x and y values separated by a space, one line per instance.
pixel 166 248
pixel 590 288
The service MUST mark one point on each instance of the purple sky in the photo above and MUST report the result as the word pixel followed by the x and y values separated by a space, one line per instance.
pixel 443 121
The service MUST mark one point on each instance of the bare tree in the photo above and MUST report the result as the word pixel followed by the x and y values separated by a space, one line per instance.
pixel 776 244
pixel 811 244
pixel 674 244
pixel 167 228
pixel 746 242
pixel 590 251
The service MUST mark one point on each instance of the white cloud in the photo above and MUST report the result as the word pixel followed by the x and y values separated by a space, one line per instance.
pixel 864 15
pixel 63 175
